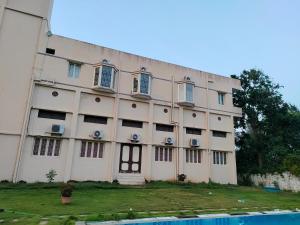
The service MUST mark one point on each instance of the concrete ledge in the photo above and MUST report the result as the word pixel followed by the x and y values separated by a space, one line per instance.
pixel 173 218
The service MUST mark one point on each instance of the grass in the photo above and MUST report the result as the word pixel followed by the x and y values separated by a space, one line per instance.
pixel 30 203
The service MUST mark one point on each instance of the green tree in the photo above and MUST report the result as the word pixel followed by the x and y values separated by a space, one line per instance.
pixel 269 129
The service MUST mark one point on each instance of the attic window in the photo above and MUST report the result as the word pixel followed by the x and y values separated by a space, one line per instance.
pixel 50 51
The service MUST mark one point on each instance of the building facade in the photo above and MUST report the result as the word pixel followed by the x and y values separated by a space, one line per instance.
pixel 94 113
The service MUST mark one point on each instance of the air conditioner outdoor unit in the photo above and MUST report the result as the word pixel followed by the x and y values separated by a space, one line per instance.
pixel 57 129
pixel 98 134
pixel 195 142
pixel 169 141
pixel 135 138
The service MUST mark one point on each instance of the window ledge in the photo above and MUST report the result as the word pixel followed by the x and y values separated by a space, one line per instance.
pixel 140 95
pixel 187 104
pixel 104 89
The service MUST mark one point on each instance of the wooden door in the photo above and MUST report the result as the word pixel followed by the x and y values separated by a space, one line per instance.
pixel 130 158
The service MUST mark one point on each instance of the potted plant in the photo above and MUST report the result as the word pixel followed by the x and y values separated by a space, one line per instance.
pixel 66 193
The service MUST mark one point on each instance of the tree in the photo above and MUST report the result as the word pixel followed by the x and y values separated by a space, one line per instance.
pixel 269 129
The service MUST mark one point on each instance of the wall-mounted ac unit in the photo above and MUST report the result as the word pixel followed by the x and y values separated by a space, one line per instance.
pixel 195 142
pixel 135 138
pixel 98 134
pixel 169 141
pixel 57 129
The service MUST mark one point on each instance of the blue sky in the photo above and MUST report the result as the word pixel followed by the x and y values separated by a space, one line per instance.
pixel 222 37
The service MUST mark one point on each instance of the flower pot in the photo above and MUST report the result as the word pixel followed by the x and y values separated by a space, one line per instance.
pixel 65 200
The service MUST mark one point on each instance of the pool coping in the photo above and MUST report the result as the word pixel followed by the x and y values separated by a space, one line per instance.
pixel 174 218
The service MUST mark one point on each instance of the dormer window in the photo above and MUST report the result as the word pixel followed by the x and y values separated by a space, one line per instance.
pixel 186 92
pixel 141 87
pixel 105 76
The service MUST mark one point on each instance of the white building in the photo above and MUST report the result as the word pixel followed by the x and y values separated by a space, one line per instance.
pixel 94 113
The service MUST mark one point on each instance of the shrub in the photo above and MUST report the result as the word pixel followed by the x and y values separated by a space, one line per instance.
pixel 22 182
pixel 181 177
pixel 67 190
pixel 131 214
pixel 292 164
pixel 50 175
pixel 4 181
pixel 245 180
pixel 115 181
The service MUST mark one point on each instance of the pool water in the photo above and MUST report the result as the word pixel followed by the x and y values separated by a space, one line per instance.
pixel 268 219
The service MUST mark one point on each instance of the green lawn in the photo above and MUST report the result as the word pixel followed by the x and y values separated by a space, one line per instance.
pixel 32 203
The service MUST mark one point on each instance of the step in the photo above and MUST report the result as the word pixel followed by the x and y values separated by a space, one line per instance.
pixel 131 179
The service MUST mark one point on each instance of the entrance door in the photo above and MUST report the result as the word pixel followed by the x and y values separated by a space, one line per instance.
pixel 130 158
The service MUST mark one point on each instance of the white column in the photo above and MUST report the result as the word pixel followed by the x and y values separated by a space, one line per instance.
pixel 149 143
pixel 71 146
pixel 180 142
pixel 2 9
pixel 113 137
pixel 233 158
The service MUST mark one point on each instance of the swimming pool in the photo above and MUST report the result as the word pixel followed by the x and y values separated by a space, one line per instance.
pixel 264 219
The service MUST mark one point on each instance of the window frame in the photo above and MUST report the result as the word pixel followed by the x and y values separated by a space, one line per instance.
pixel 193 155
pixel 164 127
pixel 137 77
pixel 221 98
pixel 46 146
pixel 132 123
pixel 94 119
pixel 51 114
pixel 88 147
pixel 114 71
pixel 193 131
pixel 219 134
pixel 220 157
pixel 182 93
pixel 163 154
pixel 74 75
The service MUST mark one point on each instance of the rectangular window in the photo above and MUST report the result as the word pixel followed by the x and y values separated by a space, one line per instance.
pixel 221 134
pixel 95 119
pixel 163 154
pixel 195 131
pixel 50 147
pixel 49 114
pixel 43 146
pixel 221 98
pixel 132 123
pixel 74 70
pixel 193 156
pixel 145 83
pixel 50 51
pixel 105 76
pixel 91 149
pixel 164 127
pixel 46 146
pixel 189 92
pixel 57 147
pixel 219 158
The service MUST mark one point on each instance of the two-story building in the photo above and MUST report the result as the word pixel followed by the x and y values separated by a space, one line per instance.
pixel 95 113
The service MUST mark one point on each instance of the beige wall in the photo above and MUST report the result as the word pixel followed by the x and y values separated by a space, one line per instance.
pixel 23 41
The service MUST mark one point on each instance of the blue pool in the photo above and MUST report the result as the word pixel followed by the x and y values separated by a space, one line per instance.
pixel 268 219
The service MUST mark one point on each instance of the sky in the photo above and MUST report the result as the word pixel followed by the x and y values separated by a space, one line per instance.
pixel 217 36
